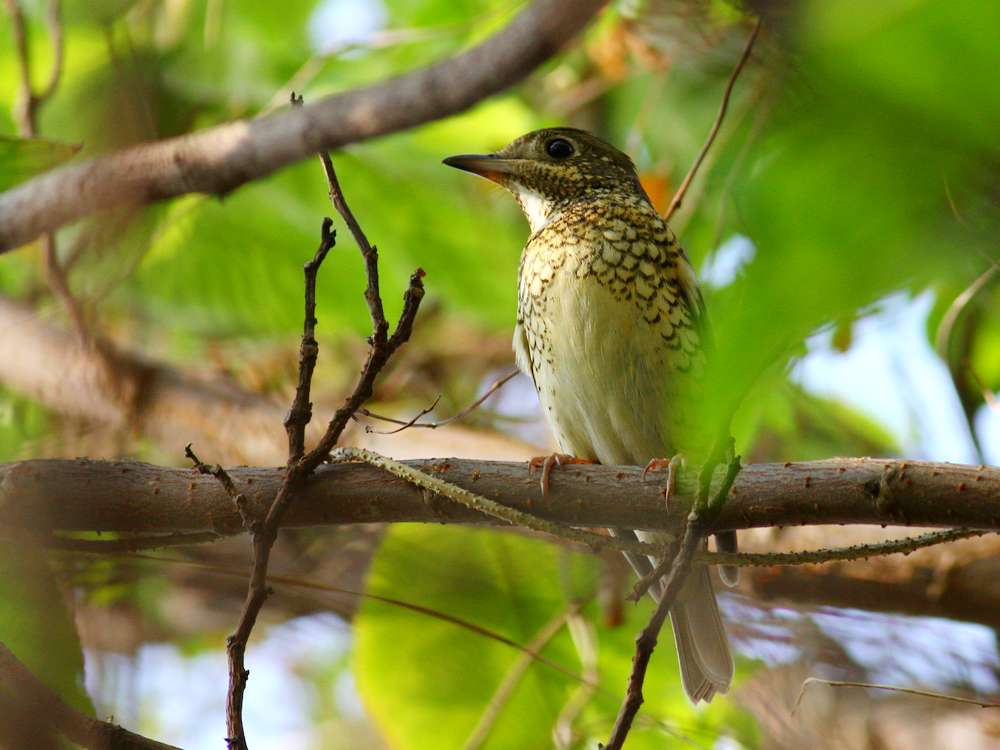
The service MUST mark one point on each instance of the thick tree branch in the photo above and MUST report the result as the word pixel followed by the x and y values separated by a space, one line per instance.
pixel 84 495
pixel 220 159
pixel 38 705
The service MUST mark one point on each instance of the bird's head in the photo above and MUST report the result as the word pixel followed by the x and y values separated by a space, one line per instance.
pixel 548 170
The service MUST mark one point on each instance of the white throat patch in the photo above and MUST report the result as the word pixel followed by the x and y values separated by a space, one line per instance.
pixel 536 208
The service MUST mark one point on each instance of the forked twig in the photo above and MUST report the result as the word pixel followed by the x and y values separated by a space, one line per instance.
pixel 414 422
pixel 301 464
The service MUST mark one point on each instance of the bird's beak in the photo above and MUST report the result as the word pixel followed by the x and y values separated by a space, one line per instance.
pixel 490 166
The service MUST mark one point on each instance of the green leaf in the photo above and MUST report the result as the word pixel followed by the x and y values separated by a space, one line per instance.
pixel 427 680
pixel 37 626
pixel 22 158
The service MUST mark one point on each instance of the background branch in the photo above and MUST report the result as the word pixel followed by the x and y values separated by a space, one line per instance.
pixel 220 159
pixel 39 706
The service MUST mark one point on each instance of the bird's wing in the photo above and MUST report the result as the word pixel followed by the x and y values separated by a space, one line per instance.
pixel 522 346
pixel 522 352
pixel 691 294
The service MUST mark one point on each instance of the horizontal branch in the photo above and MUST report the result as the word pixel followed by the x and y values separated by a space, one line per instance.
pixel 84 495
pixel 220 159
pixel 35 706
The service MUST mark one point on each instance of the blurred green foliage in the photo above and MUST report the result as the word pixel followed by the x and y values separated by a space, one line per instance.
pixel 36 625
pixel 428 682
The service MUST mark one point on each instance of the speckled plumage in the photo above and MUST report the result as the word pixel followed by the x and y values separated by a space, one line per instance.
pixel 610 328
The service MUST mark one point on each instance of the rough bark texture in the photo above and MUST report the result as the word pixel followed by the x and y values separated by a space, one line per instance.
pixel 130 496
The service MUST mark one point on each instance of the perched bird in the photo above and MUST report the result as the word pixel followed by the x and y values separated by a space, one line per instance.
pixel 610 327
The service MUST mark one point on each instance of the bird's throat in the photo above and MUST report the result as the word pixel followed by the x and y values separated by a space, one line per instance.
pixel 537 208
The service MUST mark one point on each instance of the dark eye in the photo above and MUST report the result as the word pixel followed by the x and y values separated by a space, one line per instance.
pixel 559 148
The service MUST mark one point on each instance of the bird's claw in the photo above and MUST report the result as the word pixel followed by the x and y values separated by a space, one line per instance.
pixel 549 462
pixel 672 465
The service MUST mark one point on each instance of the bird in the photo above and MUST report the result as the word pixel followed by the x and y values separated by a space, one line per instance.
pixel 611 328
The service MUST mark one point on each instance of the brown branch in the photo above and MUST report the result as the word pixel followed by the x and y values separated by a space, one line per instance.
pixel 220 159
pixel 645 642
pixel 300 413
pixel 39 706
pixel 29 103
pixel 127 496
pixel 678 198
pixel 265 532
pixel 301 464
pixel 130 544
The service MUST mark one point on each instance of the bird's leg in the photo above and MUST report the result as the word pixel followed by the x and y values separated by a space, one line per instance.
pixel 673 466
pixel 549 462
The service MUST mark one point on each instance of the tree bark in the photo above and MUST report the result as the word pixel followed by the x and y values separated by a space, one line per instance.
pixel 127 496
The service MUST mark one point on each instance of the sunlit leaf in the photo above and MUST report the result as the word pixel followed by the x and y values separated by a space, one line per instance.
pixel 427 681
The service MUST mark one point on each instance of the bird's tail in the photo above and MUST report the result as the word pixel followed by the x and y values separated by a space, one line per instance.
pixel 702 645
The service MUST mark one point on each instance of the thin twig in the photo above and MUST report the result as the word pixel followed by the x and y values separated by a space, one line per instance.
pixel 704 505
pixel 876 686
pixel 239 500
pixel 130 544
pixel 838 554
pixel 322 586
pixel 584 637
pixel 414 422
pixel 682 561
pixel 301 464
pixel 490 507
pixel 501 696
pixel 300 413
pixel 32 704
pixel 943 335
pixel 266 532
pixel 29 104
pixel 678 198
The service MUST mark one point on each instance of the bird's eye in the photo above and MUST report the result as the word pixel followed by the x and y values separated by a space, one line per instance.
pixel 559 148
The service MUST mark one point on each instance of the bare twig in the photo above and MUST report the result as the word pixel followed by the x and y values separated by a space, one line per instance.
pixel 322 586
pixel 682 560
pixel 301 464
pixel 414 421
pixel 300 413
pixel 876 686
pixel 239 500
pixel 678 198
pixel 839 554
pixel 38 706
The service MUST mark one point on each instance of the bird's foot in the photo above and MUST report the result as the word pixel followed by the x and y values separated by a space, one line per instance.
pixel 673 466
pixel 549 462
